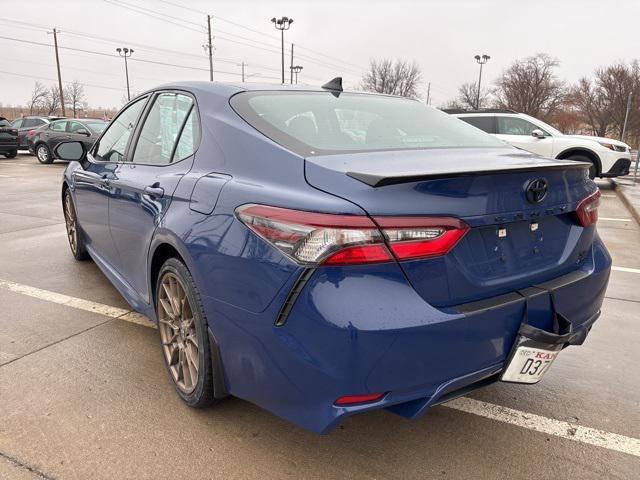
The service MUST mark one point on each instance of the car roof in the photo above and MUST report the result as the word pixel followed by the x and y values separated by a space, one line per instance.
pixel 228 89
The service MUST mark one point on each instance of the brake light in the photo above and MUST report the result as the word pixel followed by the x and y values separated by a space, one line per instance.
pixel 31 133
pixel 357 399
pixel 587 210
pixel 318 238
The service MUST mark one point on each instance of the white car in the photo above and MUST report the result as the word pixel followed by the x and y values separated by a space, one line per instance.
pixel 609 158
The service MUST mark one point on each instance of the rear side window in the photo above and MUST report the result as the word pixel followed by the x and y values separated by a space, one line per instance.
pixel 516 126
pixel 58 126
pixel 486 124
pixel 161 128
pixel 320 123
pixel 111 146
pixel 189 138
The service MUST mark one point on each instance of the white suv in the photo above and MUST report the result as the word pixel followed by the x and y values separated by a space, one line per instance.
pixel 609 158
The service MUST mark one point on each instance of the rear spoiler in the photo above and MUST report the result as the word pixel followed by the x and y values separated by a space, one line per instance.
pixel 383 179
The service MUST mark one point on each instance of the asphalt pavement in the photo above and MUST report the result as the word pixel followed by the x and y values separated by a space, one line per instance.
pixel 84 393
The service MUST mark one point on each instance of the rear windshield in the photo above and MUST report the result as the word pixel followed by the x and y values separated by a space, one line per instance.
pixel 4 123
pixel 320 123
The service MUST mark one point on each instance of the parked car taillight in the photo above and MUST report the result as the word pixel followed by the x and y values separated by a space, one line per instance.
pixel 31 133
pixel 319 238
pixel 587 210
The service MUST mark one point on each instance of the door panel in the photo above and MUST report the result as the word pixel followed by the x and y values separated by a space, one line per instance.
pixel 92 206
pixel 143 188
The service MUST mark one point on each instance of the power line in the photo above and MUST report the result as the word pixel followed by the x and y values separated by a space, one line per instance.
pixel 53 80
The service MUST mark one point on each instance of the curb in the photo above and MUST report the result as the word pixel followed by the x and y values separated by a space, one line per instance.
pixel 619 189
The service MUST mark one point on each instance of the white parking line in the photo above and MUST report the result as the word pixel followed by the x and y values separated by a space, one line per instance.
pixel 626 269
pixel 550 426
pixel 609 219
pixel 79 303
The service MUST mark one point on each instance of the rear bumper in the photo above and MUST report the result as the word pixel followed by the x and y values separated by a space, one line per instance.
pixel 8 146
pixel 619 168
pixel 363 330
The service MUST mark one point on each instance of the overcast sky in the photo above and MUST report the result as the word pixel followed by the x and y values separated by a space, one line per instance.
pixel 332 38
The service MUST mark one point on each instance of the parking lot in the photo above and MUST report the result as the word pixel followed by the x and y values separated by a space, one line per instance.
pixel 84 393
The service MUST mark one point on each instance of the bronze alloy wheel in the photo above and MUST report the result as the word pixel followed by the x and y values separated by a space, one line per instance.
pixel 71 224
pixel 178 332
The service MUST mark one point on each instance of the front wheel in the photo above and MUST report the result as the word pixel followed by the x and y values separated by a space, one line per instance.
pixel 74 234
pixel 183 334
pixel 44 154
pixel 593 170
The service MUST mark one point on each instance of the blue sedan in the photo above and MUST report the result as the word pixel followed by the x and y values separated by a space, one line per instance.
pixel 322 253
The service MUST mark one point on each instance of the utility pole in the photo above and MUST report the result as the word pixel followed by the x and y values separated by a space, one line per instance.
pixel 209 47
pixel 126 52
pixel 291 67
pixel 282 24
pixel 242 71
pixel 626 117
pixel 481 61
pixel 429 93
pixel 55 43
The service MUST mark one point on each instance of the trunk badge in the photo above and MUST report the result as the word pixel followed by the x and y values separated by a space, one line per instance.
pixel 534 226
pixel 502 232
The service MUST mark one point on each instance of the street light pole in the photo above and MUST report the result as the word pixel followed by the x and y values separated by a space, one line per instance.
pixel 481 60
pixel 126 52
pixel 291 66
pixel 296 69
pixel 282 24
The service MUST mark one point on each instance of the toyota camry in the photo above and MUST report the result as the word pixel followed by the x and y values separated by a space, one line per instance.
pixel 322 253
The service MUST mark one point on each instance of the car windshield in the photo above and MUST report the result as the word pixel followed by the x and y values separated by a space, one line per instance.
pixel 321 123
pixel 97 126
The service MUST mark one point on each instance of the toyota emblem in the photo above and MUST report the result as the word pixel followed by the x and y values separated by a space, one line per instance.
pixel 537 190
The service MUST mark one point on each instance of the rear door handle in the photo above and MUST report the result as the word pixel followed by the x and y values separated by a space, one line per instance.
pixel 154 190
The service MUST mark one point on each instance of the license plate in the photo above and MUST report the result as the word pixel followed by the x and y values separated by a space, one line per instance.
pixel 528 365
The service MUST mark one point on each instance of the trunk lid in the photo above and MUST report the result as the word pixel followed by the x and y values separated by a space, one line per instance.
pixel 513 242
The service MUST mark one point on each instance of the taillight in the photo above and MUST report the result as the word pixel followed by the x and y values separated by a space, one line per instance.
pixel 31 133
pixel 319 238
pixel 587 210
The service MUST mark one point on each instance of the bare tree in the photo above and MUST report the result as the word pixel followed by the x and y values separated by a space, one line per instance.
pixel 52 100
pixel 74 96
pixel 393 78
pixel 615 83
pixel 530 86
pixel 38 98
pixel 467 93
pixel 595 111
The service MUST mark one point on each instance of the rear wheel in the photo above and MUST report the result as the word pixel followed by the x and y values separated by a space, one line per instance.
pixel 44 154
pixel 74 234
pixel 183 334
pixel 593 169
pixel 11 154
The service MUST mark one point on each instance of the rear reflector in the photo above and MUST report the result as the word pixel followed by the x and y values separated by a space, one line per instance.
pixel 357 399
pixel 587 210
pixel 319 238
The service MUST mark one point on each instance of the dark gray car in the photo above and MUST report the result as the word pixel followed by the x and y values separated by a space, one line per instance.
pixel 28 123
pixel 43 141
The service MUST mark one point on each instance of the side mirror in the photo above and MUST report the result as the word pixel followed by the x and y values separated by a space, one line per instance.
pixel 537 133
pixel 82 131
pixel 70 151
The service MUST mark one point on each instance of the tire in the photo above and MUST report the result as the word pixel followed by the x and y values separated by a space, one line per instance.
pixel 11 154
pixel 178 335
pixel 593 169
pixel 74 232
pixel 43 154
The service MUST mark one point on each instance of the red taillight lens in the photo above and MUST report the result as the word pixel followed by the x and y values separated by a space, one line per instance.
pixel 587 210
pixel 411 237
pixel 318 238
pixel 356 399
pixel 31 133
